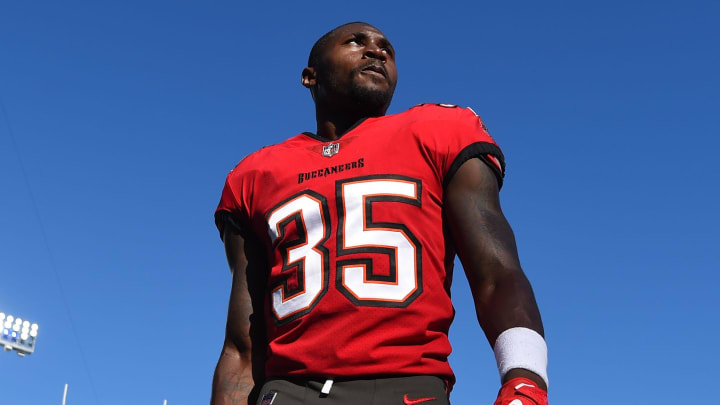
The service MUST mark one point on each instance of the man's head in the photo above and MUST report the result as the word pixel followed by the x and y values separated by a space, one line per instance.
pixel 352 66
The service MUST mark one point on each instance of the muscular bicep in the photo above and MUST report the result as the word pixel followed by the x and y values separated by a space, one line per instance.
pixel 480 231
pixel 239 369
pixel 240 308
pixel 245 326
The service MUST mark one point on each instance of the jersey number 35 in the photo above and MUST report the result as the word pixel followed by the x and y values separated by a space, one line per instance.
pixel 357 235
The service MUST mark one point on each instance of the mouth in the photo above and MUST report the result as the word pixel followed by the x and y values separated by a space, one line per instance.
pixel 375 69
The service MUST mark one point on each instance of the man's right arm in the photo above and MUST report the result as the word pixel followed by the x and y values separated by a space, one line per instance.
pixel 233 381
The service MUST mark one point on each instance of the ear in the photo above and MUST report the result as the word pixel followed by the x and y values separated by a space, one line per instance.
pixel 309 77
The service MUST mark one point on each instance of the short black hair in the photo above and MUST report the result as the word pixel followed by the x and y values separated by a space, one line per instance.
pixel 319 46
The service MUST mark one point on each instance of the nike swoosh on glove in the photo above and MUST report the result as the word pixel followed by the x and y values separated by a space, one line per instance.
pixel 521 391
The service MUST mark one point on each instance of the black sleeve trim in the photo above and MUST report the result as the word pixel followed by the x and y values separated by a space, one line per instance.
pixel 223 218
pixel 478 150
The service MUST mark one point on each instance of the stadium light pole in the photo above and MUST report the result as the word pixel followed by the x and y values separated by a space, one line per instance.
pixel 17 334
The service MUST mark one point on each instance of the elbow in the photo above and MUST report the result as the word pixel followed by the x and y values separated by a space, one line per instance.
pixel 494 275
pixel 237 350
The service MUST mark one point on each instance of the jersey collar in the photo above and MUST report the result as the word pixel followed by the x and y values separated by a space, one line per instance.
pixel 323 139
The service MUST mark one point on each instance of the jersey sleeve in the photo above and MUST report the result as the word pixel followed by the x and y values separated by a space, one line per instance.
pixel 230 211
pixel 457 135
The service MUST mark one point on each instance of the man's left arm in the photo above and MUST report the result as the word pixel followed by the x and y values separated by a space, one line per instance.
pixel 504 300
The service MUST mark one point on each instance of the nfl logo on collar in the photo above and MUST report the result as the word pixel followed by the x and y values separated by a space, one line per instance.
pixel 330 149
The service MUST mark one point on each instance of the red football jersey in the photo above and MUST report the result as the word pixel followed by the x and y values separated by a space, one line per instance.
pixel 360 262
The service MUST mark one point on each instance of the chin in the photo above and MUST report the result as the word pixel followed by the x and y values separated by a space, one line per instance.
pixel 372 99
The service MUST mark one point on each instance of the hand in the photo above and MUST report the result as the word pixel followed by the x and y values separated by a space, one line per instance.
pixel 521 391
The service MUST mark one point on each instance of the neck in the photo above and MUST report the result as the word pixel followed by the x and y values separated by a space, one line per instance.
pixel 332 125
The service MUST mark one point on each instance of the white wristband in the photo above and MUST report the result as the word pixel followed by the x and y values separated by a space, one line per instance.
pixel 521 348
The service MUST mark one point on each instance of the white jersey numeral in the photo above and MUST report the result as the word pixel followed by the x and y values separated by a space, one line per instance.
pixel 361 235
pixel 358 236
pixel 305 254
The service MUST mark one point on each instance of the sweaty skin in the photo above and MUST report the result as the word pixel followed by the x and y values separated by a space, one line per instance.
pixel 356 80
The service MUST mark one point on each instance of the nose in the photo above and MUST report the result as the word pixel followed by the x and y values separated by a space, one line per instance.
pixel 373 50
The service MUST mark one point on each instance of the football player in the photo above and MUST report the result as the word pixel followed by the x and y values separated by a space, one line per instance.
pixel 341 244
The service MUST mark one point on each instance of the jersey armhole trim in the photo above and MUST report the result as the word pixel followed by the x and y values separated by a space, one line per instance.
pixel 225 218
pixel 479 150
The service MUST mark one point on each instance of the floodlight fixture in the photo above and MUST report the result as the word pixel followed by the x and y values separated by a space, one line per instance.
pixel 17 334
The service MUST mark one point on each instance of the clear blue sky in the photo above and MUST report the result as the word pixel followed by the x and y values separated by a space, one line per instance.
pixel 127 115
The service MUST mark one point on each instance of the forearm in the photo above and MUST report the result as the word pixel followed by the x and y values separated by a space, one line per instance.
pixel 509 303
pixel 506 302
pixel 233 379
